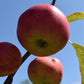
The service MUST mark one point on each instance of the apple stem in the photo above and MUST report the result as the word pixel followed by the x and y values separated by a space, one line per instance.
pixel 9 79
pixel 53 2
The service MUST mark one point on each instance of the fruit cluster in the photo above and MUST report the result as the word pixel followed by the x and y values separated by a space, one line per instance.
pixel 42 30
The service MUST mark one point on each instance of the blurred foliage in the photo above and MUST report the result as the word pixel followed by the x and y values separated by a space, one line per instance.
pixel 25 82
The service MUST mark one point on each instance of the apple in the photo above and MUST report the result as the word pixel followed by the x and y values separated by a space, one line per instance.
pixel 10 58
pixel 43 30
pixel 45 70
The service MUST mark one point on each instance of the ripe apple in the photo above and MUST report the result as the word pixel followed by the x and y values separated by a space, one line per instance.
pixel 45 70
pixel 10 58
pixel 43 30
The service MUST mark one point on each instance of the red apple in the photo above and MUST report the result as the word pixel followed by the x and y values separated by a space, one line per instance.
pixel 43 30
pixel 45 70
pixel 10 58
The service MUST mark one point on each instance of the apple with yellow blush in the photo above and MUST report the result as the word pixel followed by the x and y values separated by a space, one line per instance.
pixel 45 70
pixel 43 30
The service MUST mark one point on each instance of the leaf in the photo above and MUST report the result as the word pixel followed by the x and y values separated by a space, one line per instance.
pixel 75 16
pixel 80 54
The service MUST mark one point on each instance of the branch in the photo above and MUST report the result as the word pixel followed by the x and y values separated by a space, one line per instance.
pixel 27 54
pixel 53 2
pixel 9 79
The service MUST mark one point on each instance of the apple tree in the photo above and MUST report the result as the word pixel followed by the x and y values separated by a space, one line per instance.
pixel 41 38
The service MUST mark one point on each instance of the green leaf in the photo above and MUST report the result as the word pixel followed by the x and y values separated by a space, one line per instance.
pixel 75 16
pixel 80 54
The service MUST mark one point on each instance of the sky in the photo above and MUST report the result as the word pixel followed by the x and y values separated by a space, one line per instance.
pixel 10 10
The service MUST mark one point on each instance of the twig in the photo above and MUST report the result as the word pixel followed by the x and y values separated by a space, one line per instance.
pixel 53 2
pixel 9 79
pixel 27 54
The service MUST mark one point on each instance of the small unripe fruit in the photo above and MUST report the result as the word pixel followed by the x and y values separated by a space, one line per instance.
pixel 45 70
pixel 43 30
pixel 10 58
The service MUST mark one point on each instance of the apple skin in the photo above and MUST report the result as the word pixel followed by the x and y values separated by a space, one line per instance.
pixel 45 70
pixel 10 58
pixel 43 30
